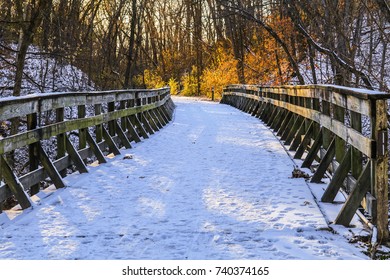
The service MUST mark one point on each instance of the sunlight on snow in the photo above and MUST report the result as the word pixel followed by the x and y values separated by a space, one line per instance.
pixel 162 184
pixel 231 205
pixel 141 161
pixel 195 133
pixel 59 227
pixel 235 250
pixel 270 146
pixel 89 212
pixel 151 208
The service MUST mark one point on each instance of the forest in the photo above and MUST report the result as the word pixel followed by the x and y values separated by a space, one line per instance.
pixel 194 46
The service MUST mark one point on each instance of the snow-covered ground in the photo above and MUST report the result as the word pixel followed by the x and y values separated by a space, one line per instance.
pixel 213 184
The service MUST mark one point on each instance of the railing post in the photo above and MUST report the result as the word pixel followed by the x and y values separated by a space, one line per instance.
pixel 339 114
pixel 380 168
pixel 111 124
pixel 32 122
pixel 82 133
pixel 61 147
pixel 99 127
pixel 326 138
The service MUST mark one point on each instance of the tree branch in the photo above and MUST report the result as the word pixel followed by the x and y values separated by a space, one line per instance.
pixel 276 37
pixel 294 15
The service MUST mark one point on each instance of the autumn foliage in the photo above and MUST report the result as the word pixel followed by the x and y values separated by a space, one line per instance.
pixel 196 46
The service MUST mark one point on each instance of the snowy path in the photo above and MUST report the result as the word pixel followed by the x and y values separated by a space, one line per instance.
pixel 214 184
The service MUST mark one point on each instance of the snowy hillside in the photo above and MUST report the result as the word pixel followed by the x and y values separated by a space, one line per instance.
pixel 42 73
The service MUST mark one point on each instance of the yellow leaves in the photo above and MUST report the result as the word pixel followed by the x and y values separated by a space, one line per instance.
pixel 189 82
pixel 219 75
pixel 174 85
pixel 151 79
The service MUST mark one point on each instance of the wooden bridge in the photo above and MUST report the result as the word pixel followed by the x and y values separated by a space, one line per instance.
pixel 322 124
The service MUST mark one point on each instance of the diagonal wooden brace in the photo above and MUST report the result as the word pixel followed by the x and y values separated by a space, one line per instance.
pixel 50 168
pixel 355 197
pixel 74 155
pixel 14 184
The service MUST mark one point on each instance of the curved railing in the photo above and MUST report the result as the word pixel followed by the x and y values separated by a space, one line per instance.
pixel 80 125
pixel 336 130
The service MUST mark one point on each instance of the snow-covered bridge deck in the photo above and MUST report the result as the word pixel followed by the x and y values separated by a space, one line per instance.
pixel 214 184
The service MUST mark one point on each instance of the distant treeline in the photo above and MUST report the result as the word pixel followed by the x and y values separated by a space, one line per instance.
pixel 201 45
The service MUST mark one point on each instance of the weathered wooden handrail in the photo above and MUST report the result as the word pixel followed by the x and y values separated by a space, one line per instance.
pixel 324 124
pixel 104 120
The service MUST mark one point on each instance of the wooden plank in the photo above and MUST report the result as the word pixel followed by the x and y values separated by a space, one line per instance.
pixel 357 157
pixel 167 110
pixel 123 119
pixel 14 184
pixel 25 105
pixel 163 115
pixel 339 114
pixel 269 117
pixel 49 167
pixel 40 174
pixel 147 124
pixel 265 113
pixel 276 125
pixel 98 127
pixel 260 110
pixel 289 126
pixel 20 140
pixel 160 122
pixel 355 197
pixel 122 136
pixel 74 155
pixel 32 122
pixel 284 123
pixel 353 137
pixel 248 105
pixel 111 144
pixel 82 136
pixel 244 103
pixel 275 120
pixel 338 178
pixel 255 108
pixel 296 141
pixel 61 146
pixel 313 151
pixel 325 162
pixel 95 148
pixel 160 116
pixel 111 123
pixel 359 106
pixel 311 91
pixel 140 127
pixel 131 130
pixel 305 142
pixel 297 124
pixel 380 169
pixel 148 117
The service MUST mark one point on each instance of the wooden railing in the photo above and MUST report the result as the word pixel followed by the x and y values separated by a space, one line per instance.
pixel 335 130
pixel 80 125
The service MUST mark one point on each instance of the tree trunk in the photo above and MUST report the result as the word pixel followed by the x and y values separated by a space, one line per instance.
pixel 130 54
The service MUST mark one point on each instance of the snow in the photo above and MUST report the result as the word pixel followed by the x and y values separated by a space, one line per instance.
pixel 42 73
pixel 214 184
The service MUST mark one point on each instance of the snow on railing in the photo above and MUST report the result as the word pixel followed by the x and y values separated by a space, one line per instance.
pixel 324 124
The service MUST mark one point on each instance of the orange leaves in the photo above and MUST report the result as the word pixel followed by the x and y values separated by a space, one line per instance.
pixel 221 73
